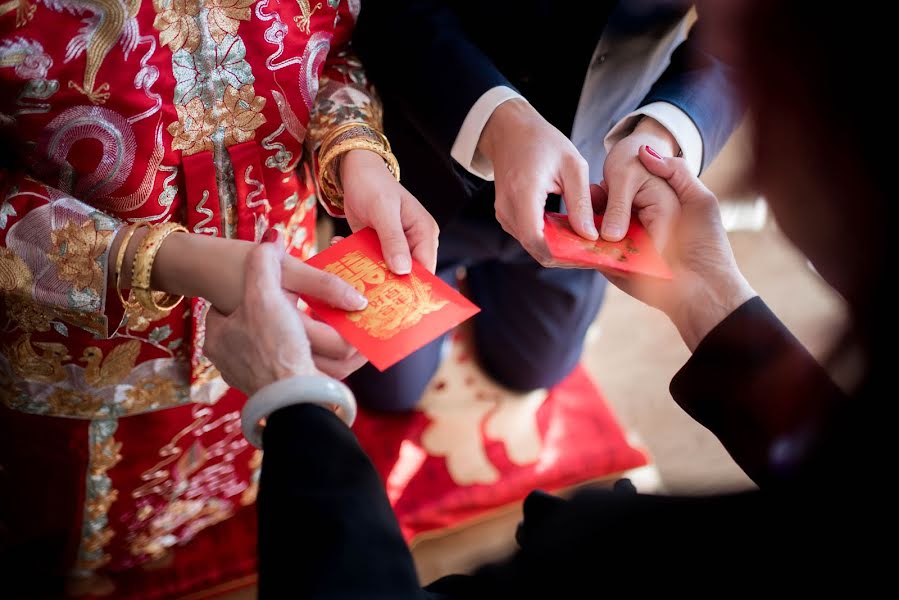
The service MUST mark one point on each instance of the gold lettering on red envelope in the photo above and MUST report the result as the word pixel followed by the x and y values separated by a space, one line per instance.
pixel 634 254
pixel 404 312
pixel 393 304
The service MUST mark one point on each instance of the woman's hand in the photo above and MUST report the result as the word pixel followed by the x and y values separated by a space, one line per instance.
pixel 263 340
pixel 373 198
pixel 707 284
pixel 201 266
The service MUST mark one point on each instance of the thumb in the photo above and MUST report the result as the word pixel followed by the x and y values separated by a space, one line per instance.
pixel 393 242
pixel 676 172
pixel 263 267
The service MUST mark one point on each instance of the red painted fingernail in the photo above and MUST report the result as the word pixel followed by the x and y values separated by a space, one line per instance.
pixel 270 236
pixel 653 152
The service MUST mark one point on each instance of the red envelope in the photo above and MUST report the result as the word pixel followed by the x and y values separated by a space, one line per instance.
pixel 634 254
pixel 404 312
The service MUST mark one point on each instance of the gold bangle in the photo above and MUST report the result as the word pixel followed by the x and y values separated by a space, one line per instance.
pixel 330 188
pixel 362 129
pixel 119 263
pixel 142 269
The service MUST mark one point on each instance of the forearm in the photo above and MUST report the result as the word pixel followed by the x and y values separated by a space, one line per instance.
pixel 191 265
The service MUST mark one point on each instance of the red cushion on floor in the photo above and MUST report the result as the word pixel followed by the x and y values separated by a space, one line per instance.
pixel 474 447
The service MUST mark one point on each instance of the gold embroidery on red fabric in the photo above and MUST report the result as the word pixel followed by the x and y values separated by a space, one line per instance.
pixel 225 15
pixel 24 11
pixel 76 250
pixel 304 20
pixel 177 24
pixel 96 533
pixel 114 368
pixel 186 490
pixel 45 367
pixel 109 22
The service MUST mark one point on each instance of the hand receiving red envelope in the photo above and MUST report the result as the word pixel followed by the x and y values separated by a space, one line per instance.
pixel 404 312
pixel 634 254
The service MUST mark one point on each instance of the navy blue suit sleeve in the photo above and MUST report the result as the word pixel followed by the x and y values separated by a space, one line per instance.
pixel 424 64
pixel 704 88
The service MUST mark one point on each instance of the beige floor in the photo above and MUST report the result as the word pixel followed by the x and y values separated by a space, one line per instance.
pixel 633 352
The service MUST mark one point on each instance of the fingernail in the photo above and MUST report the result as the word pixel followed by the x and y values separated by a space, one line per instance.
pixel 590 227
pixel 653 152
pixel 402 265
pixel 356 300
pixel 612 231
pixel 270 236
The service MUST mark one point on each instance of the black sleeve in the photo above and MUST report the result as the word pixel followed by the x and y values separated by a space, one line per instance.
pixel 761 393
pixel 326 529
pixel 424 64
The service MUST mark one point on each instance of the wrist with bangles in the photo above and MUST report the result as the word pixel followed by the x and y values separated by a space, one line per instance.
pixel 301 389
pixel 339 141
pixel 142 295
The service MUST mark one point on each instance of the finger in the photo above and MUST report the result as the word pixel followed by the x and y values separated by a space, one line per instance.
pixel 617 217
pixel 389 227
pixel 423 235
pixel 325 340
pixel 676 172
pixel 262 277
pixel 299 277
pixel 215 322
pixel 527 221
pixel 337 239
pixel 599 197
pixel 576 193
pixel 660 213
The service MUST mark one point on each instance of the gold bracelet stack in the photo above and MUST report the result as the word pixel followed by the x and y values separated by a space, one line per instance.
pixel 119 263
pixel 346 137
pixel 142 270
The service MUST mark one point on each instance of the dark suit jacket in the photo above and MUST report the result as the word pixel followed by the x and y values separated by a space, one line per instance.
pixel 327 530
pixel 431 60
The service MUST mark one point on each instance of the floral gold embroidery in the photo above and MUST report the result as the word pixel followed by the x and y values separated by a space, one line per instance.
pixel 113 370
pixel 70 402
pixel 76 250
pixel 224 17
pixel 15 276
pixel 29 315
pixel 152 392
pixel 242 111
pixel 140 318
pixel 176 22
pixel 193 129
pixel 28 364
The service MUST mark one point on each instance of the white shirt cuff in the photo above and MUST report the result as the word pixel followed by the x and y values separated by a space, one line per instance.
pixel 671 118
pixel 465 148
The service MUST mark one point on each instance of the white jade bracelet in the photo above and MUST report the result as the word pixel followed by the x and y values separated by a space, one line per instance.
pixel 302 389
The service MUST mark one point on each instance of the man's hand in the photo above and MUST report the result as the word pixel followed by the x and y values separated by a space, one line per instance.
pixel 632 188
pixel 372 197
pixel 532 159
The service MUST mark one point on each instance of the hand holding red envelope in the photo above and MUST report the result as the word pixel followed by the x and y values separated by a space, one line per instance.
pixel 404 312
pixel 633 254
